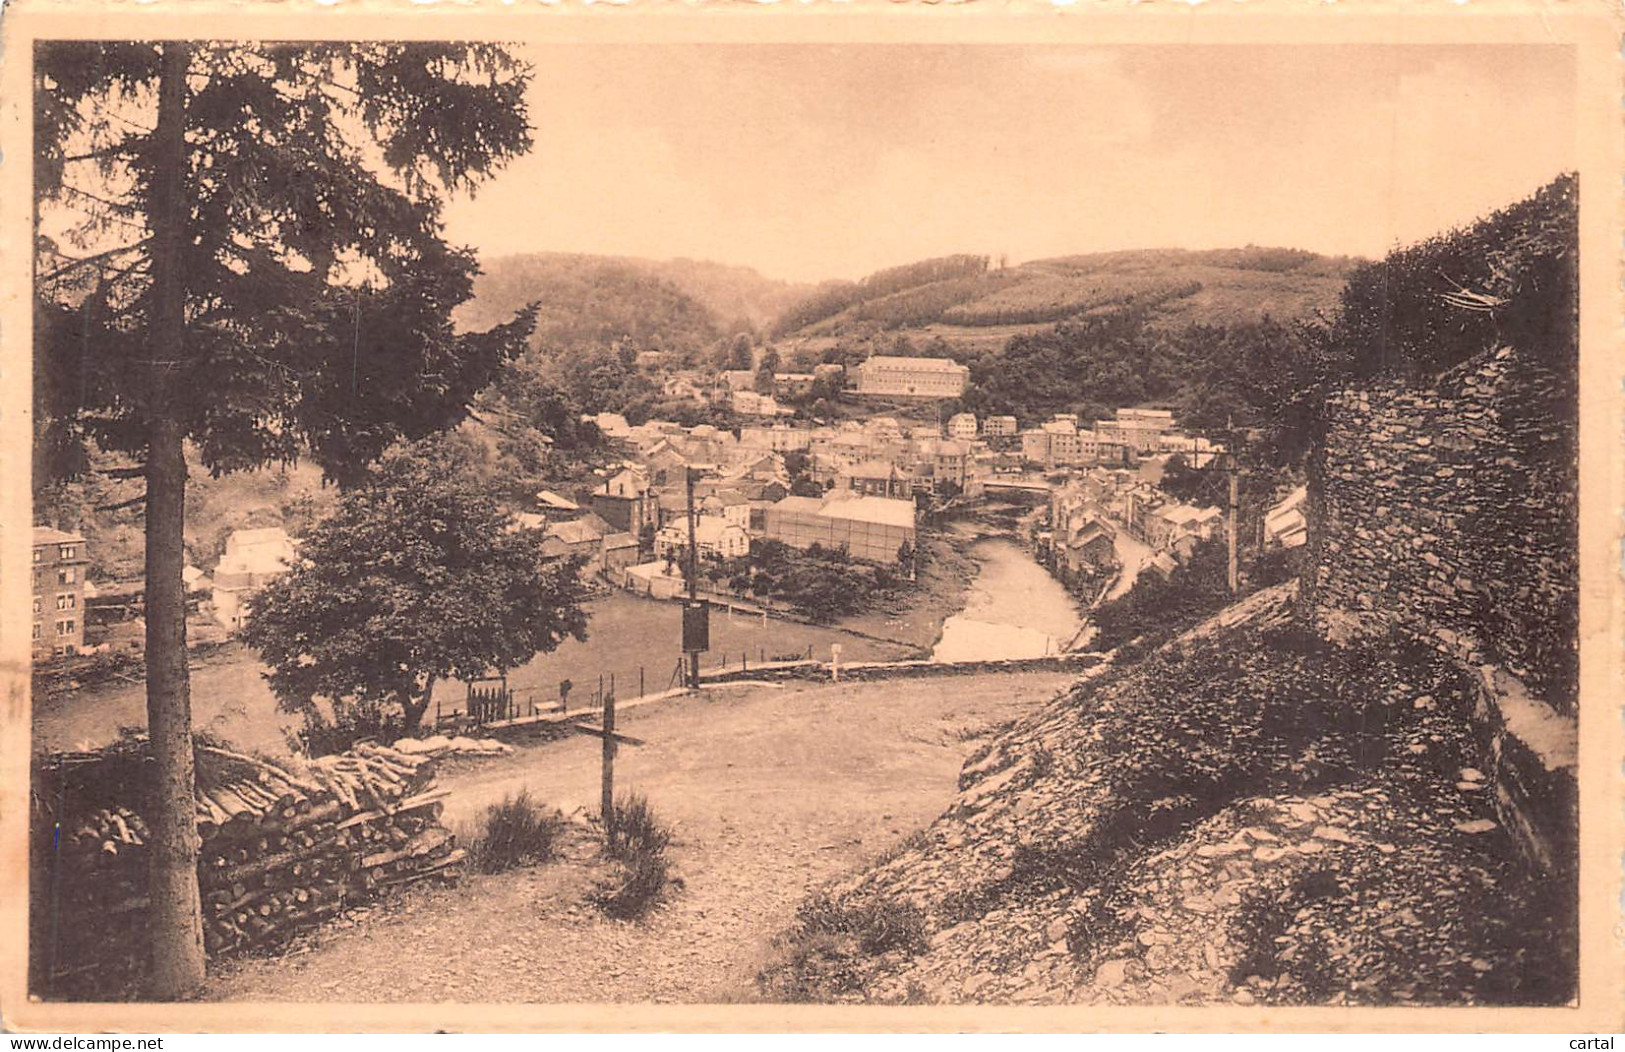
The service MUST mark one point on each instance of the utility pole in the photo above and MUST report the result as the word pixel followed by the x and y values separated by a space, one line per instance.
pixel 1233 466
pixel 693 575
pixel 606 804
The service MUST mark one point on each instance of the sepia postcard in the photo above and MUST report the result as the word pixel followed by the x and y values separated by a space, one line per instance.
pixel 837 517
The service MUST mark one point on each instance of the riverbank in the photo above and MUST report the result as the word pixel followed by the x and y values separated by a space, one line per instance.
pixel 939 593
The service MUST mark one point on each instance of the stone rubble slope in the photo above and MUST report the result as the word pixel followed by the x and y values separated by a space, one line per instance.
pixel 1246 815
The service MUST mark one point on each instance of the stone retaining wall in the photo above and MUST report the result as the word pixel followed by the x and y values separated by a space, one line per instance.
pixel 1447 514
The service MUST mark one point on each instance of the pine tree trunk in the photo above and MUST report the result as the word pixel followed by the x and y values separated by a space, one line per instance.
pixel 175 921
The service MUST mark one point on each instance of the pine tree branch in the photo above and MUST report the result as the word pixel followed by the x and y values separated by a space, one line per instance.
pixel 96 155
pixel 121 505
pixel 97 258
pixel 121 207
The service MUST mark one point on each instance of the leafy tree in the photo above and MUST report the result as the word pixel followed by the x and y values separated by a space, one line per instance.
pixel 741 353
pixel 244 250
pixel 1186 484
pixel 765 370
pixel 415 577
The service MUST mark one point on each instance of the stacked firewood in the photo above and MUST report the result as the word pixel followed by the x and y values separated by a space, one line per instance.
pixel 281 849
pixel 287 850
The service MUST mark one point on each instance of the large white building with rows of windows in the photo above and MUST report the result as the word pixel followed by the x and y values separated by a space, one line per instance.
pixel 894 377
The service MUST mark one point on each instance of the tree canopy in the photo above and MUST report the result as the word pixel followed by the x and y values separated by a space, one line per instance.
pixel 418 575
pixel 317 287
pixel 239 245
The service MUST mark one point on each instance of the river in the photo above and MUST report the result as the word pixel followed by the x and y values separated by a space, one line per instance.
pixel 1015 609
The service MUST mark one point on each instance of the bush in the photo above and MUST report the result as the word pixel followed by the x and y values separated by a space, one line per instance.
pixel 515 832
pixel 823 953
pixel 638 843
pixel 352 723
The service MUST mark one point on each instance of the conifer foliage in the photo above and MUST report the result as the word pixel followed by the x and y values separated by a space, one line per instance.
pixel 239 246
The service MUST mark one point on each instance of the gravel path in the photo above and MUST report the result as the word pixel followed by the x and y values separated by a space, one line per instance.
pixel 770 792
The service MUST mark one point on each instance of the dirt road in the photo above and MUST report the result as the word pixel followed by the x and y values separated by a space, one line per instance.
pixel 770 792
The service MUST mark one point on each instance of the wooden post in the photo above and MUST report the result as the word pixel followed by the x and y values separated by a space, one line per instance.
pixel 640 681
pixel 1230 539
pixel 693 573
pixel 607 796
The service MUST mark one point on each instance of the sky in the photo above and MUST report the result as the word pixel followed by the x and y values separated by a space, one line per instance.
pixel 816 162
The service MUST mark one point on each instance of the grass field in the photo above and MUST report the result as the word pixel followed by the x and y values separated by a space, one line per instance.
pixel 230 698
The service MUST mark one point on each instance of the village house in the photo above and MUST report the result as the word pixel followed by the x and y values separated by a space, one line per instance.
pixel 1134 506
pixel 749 403
pixel 1035 445
pixel 1174 522
pixel 555 506
pixel 875 478
pixel 832 373
pixel 682 388
pixel 1198 452
pixel 999 427
pixel 951 463
pixel 620 551
pixel 737 380
pixel 962 426
pixel 729 505
pixel 889 376
pixel 612 425
pixel 779 439
pixel 581 538
pixel 714 538
pixel 1139 429
pixel 624 502
pixel 869 528
pixel 1284 524
pixel 1084 549
pixel 253 559
pixel 60 560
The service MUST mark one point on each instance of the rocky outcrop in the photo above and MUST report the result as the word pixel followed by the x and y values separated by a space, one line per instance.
pixel 1247 815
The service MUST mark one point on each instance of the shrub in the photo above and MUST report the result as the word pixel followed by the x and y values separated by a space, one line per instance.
pixel 515 832
pixel 638 843
pixel 823 954
pixel 363 721
pixel 637 831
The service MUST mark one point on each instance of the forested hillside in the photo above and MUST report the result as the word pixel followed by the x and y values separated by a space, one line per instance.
pixel 955 297
pixel 682 306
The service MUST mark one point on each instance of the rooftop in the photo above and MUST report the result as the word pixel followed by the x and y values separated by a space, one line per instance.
pixel 578 531
pixel 883 511
pixel 871 469
pixel 938 365
pixel 51 535
pixel 548 499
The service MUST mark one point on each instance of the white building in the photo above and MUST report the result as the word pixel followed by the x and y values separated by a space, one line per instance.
pixel 962 426
pixel 778 439
pixel 749 403
pixel 1284 524
pixel 253 559
pixel 869 528
pixel 897 377
pixel 1139 429
pixel 714 536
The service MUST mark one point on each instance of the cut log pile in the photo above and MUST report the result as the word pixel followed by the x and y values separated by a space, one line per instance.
pixel 283 847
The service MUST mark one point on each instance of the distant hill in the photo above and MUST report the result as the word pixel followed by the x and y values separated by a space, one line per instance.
pixel 975 309
pixel 676 305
